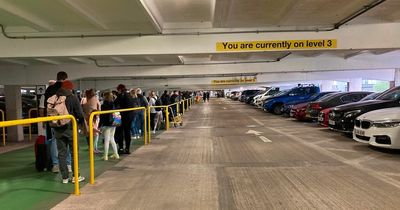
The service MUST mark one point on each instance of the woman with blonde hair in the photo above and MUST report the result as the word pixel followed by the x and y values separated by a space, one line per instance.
pixel 106 123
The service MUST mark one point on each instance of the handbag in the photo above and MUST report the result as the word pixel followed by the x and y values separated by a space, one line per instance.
pixel 116 119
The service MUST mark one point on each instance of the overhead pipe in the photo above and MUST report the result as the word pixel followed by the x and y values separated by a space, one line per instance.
pixel 189 64
pixel 335 26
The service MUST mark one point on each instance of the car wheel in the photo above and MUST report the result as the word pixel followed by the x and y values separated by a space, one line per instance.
pixel 278 109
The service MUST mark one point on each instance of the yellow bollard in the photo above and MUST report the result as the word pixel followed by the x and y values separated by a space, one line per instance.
pixel 145 126
pixel 149 125
pixel 167 118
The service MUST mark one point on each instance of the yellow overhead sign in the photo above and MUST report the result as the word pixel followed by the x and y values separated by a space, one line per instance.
pixel 277 45
pixel 234 81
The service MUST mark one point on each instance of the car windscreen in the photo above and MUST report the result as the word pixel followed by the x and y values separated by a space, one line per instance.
pixel 392 95
pixel 329 96
pixel 371 96
pixel 282 93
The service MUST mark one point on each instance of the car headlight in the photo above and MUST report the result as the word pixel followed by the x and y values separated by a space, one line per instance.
pixel 386 123
pixel 352 113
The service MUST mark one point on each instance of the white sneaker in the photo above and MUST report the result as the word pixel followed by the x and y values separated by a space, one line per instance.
pixel 154 132
pixel 65 181
pixel 80 178
pixel 69 168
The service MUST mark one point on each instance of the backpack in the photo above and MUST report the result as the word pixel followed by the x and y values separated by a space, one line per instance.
pixel 158 103
pixel 56 107
pixel 116 119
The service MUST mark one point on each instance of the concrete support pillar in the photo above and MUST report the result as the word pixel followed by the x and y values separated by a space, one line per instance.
pixel 397 77
pixel 355 84
pixel 14 111
pixel 326 85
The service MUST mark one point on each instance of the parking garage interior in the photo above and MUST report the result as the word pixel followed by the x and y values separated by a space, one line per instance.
pixel 311 141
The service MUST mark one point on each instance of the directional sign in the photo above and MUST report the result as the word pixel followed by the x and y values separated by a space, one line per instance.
pixel 40 89
pixel 257 133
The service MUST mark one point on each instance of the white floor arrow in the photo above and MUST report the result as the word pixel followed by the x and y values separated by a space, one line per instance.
pixel 257 133
pixel 265 139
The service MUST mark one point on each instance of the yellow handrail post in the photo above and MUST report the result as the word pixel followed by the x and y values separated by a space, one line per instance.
pixel 149 125
pixel 74 137
pixel 4 129
pixel 183 107
pixel 91 152
pixel 75 149
pixel 91 117
pixel 177 108
pixel 145 126
pixel 167 118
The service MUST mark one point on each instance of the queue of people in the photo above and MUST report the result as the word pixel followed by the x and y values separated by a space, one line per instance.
pixel 116 129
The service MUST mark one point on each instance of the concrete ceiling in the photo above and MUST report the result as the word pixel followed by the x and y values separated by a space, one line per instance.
pixel 55 18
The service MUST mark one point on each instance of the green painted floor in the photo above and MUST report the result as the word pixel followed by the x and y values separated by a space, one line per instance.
pixel 22 187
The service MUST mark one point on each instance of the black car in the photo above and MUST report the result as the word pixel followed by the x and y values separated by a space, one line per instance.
pixel 249 99
pixel 247 93
pixel 341 118
pixel 333 100
pixel 317 96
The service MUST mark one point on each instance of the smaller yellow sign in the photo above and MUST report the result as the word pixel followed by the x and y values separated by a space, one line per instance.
pixel 277 45
pixel 234 81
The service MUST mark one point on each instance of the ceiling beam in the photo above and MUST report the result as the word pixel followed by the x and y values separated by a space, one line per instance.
pixel 118 59
pixel 15 61
pixel 349 55
pixel 40 23
pixel 81 60
pixel 85 12
pixel 153 14
pixel 47 60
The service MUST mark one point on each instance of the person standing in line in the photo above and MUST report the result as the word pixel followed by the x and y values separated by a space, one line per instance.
pixel 123 132
pixel 165 98
pixel 107 127
pixel 208 96
pixel 142 103
pixel 90 104
pixel 51 90
pixel 64 133
pixel 153 112
pixel 135 118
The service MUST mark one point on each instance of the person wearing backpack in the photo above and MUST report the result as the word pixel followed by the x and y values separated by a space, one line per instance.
pixel 65 102
pixel 51 90
pixel 108 126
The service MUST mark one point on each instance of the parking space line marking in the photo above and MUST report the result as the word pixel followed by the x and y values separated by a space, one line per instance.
pixel 257 121
pixel 265 139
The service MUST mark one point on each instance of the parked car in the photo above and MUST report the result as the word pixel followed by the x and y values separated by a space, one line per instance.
pixel 333 100
pixel 341 118
pixel 27 104
pixel 269 93
pixel 235 96
pixel 380 128
pixel 249 98
pixel 323 116
pixel 247 93
pixel 288 108
pixel 300 93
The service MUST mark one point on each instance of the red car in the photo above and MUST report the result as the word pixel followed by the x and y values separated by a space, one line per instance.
pixel 323 117
pixel 299 111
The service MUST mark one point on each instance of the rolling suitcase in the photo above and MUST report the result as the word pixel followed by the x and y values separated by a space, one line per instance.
pixel 42 154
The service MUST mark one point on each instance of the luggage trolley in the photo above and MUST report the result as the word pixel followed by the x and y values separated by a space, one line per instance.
pixel 175 119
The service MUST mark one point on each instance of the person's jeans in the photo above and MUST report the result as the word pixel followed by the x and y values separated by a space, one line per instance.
pixel 64 141
pixel 54 151
pixel 135 128
pixel 140 122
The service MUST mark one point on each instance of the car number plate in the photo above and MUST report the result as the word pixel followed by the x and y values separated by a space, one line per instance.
pixel 359 132
pixel 320 119
pixel 331 122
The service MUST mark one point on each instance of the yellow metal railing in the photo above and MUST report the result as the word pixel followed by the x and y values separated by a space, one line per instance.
pixel 91 147
pixel 166 115
pixel 4 129
pixel 30 125
pixel 74 137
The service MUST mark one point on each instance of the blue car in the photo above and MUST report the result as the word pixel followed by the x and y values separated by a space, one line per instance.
pixel 288 106
pixel 299 93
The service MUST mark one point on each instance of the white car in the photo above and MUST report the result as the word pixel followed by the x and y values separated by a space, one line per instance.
pixel 261 98
pixel 380 128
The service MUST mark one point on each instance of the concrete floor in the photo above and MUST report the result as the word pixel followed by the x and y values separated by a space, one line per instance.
pixel 214 162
